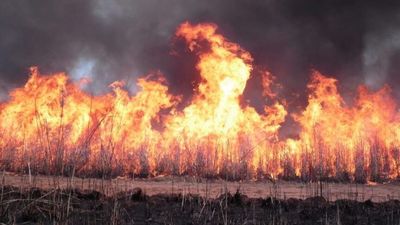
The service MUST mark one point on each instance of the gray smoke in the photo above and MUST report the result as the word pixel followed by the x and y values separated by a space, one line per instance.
pixel 382 47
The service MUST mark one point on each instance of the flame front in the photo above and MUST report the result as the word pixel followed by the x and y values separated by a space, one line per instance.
pixel 359 142
pixel 52 126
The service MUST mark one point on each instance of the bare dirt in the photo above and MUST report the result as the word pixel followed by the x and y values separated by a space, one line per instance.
pixel 212 188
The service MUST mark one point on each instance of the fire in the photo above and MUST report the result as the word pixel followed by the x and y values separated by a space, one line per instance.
pixel 217 129
pixel 52 126
pixel 51 122
pixel 360 141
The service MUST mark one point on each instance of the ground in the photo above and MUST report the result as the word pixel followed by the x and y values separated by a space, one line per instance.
pixel 182 200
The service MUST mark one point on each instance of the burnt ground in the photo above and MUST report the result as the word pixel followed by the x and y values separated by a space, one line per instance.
pixel 73 206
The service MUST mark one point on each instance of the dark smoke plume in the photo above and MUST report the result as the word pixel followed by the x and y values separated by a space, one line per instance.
pixel 355 41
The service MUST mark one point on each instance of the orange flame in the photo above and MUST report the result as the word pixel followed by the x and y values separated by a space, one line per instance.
pixel 359 141
pixel 56 127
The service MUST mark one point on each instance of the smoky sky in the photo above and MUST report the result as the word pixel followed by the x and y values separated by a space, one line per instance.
pixel 354 41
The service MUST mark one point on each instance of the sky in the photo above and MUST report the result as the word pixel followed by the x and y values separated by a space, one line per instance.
pixel 357 42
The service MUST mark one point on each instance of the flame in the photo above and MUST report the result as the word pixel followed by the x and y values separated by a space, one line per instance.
pixel 55 127
pixel 360 141
pixel 215 120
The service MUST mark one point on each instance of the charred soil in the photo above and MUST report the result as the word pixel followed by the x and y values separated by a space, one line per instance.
pixel 74 206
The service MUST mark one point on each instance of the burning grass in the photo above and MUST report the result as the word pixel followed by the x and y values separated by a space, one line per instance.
pixel 51 126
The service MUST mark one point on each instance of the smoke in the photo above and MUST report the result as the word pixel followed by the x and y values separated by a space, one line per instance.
pixel 355 41
pixel 377 56
pixel 382 47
